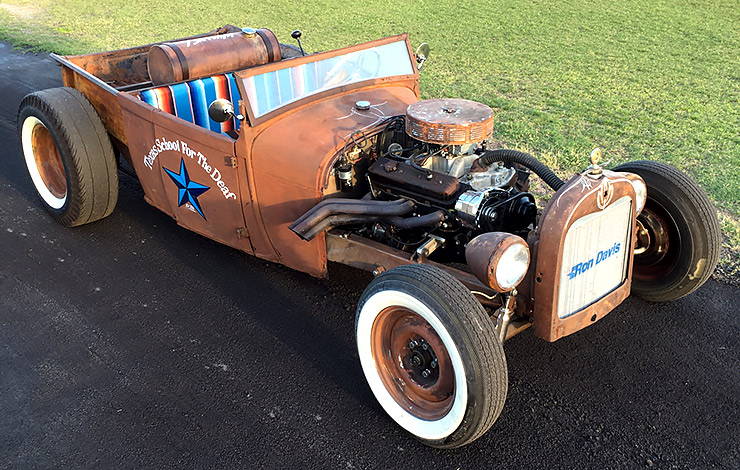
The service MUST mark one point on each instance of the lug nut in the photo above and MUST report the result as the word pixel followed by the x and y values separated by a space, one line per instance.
pixel 424 346
pixel 412 344
pixel 434 363
pixel 425 373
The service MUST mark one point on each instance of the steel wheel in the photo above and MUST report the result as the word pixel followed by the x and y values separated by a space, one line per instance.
pixel 431 355
pixel 413 363
pixel 658 242
pixel 68 155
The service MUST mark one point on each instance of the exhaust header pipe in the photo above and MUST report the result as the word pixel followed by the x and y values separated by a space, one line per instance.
pixel 330 213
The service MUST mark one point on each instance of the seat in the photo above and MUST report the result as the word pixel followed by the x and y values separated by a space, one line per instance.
pixel 190 100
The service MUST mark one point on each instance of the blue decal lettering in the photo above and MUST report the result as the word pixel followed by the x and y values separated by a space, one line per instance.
pixel 602 255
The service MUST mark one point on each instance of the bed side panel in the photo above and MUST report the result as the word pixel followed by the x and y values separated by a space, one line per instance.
pixel 105 103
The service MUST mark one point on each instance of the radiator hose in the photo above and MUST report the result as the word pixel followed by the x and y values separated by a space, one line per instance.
pixel 509 156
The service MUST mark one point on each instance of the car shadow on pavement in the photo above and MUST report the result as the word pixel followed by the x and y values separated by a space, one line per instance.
pixel 302 312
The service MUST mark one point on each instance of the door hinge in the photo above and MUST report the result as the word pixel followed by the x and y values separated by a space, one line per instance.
pixel 230 161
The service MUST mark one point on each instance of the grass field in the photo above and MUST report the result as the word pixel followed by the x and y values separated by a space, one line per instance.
pixel 655 80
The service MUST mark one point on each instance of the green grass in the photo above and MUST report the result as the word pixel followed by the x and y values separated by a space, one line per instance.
pixel 644 80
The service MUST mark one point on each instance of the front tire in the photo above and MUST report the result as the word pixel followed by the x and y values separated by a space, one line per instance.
pixel 431 356
pixel 678 237
pixel 68 155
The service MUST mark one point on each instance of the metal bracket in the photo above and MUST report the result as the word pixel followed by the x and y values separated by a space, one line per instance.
pixel 503 315
pixel 427 248
pixel 230 161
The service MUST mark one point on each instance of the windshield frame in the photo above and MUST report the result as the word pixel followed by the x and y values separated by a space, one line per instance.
pixel 289 63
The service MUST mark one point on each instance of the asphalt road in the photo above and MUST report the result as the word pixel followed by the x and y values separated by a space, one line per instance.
pixel 134 343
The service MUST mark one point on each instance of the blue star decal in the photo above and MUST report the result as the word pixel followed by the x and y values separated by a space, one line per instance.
pixel 187 190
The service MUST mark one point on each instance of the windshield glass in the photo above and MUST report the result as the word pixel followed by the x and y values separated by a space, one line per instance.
pixel 269 91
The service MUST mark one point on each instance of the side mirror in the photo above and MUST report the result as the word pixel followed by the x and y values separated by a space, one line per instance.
pixel 222 110
pixel 297 36
pixel 422 54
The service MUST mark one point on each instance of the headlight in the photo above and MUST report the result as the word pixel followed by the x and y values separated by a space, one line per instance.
pixel 500 260
pixel 640 191
pixel 512 266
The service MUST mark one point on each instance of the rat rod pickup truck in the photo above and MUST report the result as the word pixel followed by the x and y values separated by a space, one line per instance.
pixel 302 159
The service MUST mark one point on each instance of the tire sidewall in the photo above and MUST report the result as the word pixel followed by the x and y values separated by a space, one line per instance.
pixel 687 221
pixel 476 400
pixel 31 110
pixel 395 294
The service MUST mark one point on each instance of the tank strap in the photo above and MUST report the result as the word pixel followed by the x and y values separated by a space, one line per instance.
pixel 268 44
pixel 183 61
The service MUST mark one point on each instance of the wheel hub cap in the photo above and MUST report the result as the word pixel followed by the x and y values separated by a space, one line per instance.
pixel 413 363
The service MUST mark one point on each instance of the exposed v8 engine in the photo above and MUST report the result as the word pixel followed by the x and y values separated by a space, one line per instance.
pixel 435 157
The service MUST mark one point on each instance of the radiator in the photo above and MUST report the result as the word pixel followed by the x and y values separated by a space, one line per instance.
pixel 595 257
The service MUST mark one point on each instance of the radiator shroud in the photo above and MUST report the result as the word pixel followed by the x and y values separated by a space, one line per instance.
pixel 582 254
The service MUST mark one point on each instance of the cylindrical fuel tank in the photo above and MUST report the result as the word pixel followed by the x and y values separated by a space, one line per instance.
pixel 172 62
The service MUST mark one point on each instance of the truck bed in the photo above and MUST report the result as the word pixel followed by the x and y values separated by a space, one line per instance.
pixel 103 76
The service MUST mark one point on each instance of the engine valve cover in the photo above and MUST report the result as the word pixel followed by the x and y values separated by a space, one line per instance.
pixel 449 121
pixel 401 179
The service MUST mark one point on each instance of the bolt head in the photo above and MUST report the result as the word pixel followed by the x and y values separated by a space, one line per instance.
pixel 425 373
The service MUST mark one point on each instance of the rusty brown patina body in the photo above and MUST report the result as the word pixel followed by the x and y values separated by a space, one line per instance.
pixel 305 159
pixel 278 166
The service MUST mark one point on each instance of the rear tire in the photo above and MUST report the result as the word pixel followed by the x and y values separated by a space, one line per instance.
pixel 431 355
pixel 68 155
pixel 680 244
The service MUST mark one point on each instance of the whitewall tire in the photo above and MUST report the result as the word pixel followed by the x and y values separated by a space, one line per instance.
pixel 69 155
pixel 430 355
